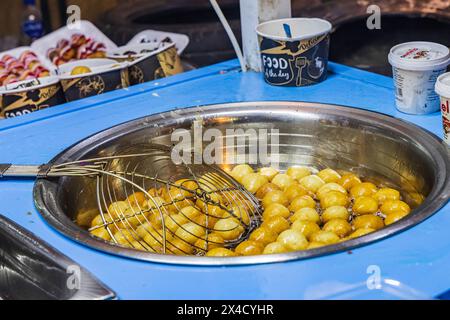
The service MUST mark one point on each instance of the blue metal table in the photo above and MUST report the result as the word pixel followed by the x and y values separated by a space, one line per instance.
pixel 412 264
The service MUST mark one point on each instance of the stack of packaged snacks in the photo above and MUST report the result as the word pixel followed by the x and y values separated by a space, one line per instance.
pixel 69 64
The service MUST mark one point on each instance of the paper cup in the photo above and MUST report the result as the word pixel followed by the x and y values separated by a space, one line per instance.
pixel 24 97
pixel 443 90
pixel 416 66
pixel 298 61
pixel 106 75
pixel 148 62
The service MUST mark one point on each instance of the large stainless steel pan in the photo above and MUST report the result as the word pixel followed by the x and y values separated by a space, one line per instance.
pixel 375 146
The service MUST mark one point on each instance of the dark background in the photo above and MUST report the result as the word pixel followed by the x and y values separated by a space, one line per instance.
pixel 352 43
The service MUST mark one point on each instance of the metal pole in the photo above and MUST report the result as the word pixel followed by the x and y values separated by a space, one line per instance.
pixel 253 12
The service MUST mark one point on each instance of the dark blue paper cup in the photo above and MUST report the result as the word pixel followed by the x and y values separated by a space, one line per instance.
pixel 106 75
pixel 27 96
pixel 301 60
pixel 147 62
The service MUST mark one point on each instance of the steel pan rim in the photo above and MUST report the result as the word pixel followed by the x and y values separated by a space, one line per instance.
pixel 44 190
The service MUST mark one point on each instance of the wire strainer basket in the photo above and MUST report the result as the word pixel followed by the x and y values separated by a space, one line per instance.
pixel 147 202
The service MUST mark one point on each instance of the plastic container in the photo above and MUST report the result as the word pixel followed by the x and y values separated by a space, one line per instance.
pixel 416 67
pixel 27 71
pixel 53 40
pixel 106 75
pixel 132 52
pixel 160 37
pixel 297 61
pixel 24 97
pixel 147 62
pixel 443 90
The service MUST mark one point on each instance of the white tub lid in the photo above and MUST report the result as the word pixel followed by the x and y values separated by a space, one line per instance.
pixel 419 56
pixel 443 85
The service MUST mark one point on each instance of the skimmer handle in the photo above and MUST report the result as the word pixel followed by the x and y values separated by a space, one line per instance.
pixel 9 170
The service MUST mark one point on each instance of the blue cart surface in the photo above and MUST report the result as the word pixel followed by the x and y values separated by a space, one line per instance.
pixel 412 264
